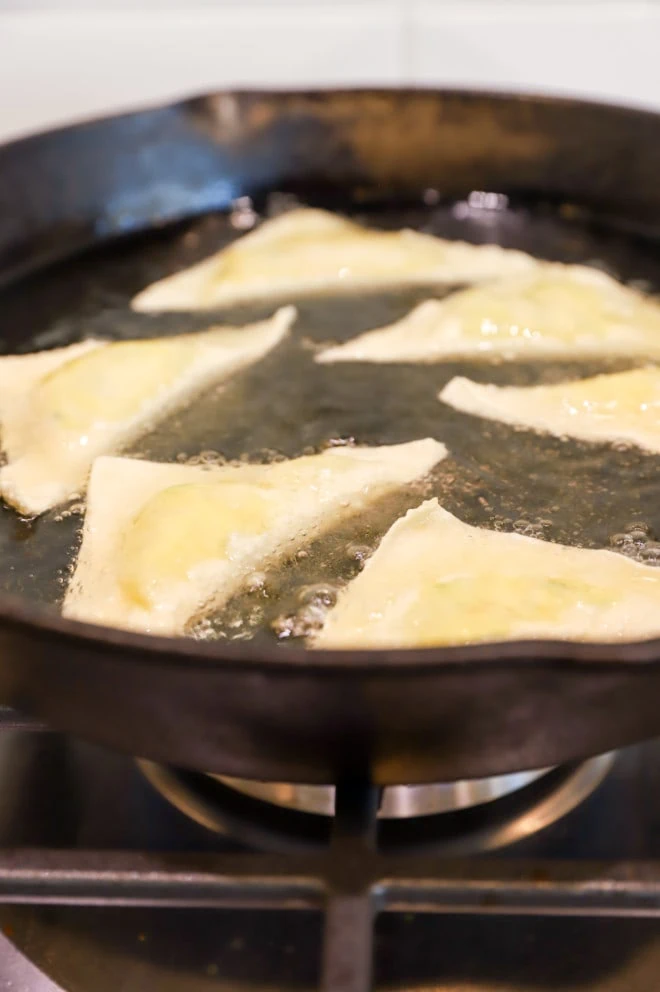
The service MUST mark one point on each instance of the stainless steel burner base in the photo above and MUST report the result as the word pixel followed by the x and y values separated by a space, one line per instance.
pixel 531 808
pixel 398 801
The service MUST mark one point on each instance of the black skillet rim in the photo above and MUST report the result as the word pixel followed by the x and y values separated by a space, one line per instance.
pixel 15 613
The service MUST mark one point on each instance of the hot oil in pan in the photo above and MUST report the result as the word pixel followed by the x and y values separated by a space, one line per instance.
pixel 285 406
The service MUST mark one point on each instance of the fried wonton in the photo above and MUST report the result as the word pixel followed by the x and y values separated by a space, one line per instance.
pixel 60 409
pixel 435 580
pixel 552 311
pixel 616 407
pixel 312 252
pixel 162 543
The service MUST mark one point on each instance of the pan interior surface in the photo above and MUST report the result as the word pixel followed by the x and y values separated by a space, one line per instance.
pixel 592 496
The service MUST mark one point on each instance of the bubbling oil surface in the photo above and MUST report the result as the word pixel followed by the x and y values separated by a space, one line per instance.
pixel 286 405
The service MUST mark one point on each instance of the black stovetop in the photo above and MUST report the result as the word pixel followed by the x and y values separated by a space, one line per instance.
pixel 81 825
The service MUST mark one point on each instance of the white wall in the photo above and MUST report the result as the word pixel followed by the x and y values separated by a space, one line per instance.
pixel 62 61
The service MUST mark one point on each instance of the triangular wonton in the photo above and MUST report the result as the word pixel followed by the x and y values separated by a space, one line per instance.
pixel 435 580
pixel 60 409
pixel 619 406
pixel 554 311
pixel 161 542
pixel 311 252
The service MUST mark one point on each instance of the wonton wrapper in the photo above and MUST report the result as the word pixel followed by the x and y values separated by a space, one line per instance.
pixel 161 542
pixel 620 406
pixel 314 252
pixel 555 311
pixel 60 409
pixel 435 580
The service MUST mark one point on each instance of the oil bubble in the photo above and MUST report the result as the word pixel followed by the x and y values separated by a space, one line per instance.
pixel 295 625
pixel 207 459
pixel 341 442
pixel 638 528
pixel 359 552
pixel 319 594
pixel 256 582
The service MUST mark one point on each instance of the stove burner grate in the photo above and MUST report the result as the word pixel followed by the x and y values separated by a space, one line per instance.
pixel 352 879
pixel 351 865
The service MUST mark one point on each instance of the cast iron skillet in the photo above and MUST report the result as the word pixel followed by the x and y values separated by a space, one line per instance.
pixel 285 714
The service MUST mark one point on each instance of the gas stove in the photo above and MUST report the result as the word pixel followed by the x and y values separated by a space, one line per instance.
pixel 117 874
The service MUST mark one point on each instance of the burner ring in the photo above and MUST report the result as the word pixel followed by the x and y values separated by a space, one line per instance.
pixel 403 801
pixel 485 826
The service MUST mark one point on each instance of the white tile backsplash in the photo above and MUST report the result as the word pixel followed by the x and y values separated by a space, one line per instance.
pixel 62 61
pixel 605 51
pixel 149 5
pixel 67 65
